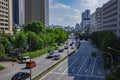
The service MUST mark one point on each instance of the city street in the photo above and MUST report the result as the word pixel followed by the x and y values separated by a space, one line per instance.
pixel 79 66
pixel 41 64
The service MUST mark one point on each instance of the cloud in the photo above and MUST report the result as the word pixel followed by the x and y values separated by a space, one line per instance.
pixel 60 6
pixel 77 11
pixel 89 3
pixel 73 17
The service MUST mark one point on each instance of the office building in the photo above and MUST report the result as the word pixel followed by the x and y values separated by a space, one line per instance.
pixel 85 19
pixel 6 16
pixel 98 18
pixel 37 10
pixel 93 26
pixel 111 16
pixel 77 27
pixel 18 12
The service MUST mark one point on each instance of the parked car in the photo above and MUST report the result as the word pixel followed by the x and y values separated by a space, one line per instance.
pixel 50 55
pixel 56 57
pixel 30 64
pixel 21 76
pixel 25 59
pixel 61 50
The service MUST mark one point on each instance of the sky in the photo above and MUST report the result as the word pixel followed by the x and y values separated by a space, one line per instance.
pixel 68 12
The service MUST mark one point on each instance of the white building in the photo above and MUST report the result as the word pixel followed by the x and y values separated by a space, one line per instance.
pixel 111 16
pixel 93 27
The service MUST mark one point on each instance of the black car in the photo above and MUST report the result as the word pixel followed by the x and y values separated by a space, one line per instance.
pixel 21 76
pixel 56 57
pixel 61 50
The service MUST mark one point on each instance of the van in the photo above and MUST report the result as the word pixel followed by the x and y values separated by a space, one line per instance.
pixel 30 64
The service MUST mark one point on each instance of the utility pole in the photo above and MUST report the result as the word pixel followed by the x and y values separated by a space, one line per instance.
pixel 68 46
pixel 30 56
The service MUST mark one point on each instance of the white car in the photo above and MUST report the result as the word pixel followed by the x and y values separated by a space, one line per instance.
pixel 25 59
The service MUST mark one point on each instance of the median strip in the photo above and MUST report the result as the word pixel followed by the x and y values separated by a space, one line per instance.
pixel 53 66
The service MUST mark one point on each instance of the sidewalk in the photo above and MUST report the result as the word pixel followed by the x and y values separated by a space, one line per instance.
pixel 8 64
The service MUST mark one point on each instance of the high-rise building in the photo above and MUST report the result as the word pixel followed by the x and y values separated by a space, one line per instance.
pixel 77 27
pixel 85 19
pixel 93 27
pixel 111 16
pixel 98 18
pixel 6 15
pixel 37 10
pixel 19 12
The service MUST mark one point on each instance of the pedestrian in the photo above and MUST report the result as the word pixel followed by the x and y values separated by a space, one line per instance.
pixel 13 64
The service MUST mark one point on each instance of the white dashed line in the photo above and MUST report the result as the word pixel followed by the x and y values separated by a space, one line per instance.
pixel 73 69
pixel 60 69
pixel 78 75
pixel 93 67
pixel 82 65
pixel 86 70
pixel 71 64
pixel 99 71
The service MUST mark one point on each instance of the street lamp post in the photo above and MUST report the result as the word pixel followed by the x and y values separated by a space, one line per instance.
pixel 68 46
pixel 113 49
pixel 30 55
pixel 111 59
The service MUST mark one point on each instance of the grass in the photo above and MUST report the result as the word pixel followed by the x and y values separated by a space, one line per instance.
pixel 1 67
pixel 38 52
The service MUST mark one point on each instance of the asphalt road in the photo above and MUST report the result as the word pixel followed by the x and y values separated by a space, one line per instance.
pixel 41 64
pixel 79 66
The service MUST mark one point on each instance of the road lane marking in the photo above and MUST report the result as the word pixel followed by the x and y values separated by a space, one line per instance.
pixel 99 71
pixel 93 67
pixel 71 64
pixel 82 65
pixel 73 69
pixel 92 76
pixel 86 70
pixel 77 75
pixel 60 69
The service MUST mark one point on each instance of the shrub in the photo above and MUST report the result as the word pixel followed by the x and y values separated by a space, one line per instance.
pixel 1 67
pixel 110 76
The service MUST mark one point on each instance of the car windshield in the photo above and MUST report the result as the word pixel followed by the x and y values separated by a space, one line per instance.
pixel 19 74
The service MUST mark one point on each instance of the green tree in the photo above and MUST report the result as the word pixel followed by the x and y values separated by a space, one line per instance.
pixel 2 52
pixel 4 41
pixel 110 76
pixel 117 72
pixel 20 40
pixel 34 41
pixel 34 27
pixel 61 35
pixel 109 40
